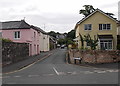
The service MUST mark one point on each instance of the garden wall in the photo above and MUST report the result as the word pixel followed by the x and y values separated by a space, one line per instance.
pixel 14 52
pixel 95 56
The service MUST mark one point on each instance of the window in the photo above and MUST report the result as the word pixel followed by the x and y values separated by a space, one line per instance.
pixel 17 34
pixel 104 26
pixel 88 27
pixel 106 44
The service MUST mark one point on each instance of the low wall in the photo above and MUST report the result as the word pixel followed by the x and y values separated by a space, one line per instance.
pixel 14 52
pixel 95 56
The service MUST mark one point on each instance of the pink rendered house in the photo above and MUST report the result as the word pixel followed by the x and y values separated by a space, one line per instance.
pixel 20 31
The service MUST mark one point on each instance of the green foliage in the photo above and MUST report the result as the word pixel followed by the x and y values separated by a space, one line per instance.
pixel 62 41
pixel 69 41
pixel 82 41
pixel 52 33
pixel 87 11
pixel 110 14
pixel 71 34
pixel 118 47
pixel 5 40
pixel 92 42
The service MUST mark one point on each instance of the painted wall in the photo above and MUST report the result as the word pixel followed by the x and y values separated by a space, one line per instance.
pixel 30 36
pixel 118 30
pixel 44 42
pixel 95 20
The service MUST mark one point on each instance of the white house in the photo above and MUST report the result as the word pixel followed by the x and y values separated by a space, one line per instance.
pixel 44 40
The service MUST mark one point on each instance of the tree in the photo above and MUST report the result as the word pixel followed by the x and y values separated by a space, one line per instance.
pixel 110 14
pixel 5 40
pixel 71 34
pixel 82 41
pixel 92 42
pixel 87 11
pixel 52 33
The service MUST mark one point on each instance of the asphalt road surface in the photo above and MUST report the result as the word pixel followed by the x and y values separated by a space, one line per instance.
pixel 54 70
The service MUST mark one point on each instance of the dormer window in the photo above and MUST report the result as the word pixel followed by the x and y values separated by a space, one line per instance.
pixel 88 27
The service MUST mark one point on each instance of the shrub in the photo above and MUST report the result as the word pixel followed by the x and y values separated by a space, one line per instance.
pixel 118 46
pixel 5 40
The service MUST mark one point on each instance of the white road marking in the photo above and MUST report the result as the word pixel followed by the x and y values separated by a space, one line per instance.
pixel 56 71
pixel 33 75
pixel 62 73
pixel 99 71
pixel 88 72
pixel 17 76
pixel 112 70
pixel 74 73
pixel 48 74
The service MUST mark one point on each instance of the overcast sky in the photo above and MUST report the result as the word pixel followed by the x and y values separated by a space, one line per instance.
pixel 56 15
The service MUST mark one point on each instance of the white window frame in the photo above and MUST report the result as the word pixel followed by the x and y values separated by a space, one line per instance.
pixel 18 35
pixel 105 27
pixel 87 27
pixel 106 42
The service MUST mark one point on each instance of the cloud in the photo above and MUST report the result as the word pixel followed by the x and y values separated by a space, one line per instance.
pixel 58 15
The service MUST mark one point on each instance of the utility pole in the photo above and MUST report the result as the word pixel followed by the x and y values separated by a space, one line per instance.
pixel 119 10
pixel 43 37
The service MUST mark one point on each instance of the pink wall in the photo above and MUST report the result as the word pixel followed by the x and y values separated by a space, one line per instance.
pixel 26 36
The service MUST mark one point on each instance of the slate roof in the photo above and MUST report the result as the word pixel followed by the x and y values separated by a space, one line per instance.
pixel 38 29
pixel 19 25
pixel 15 25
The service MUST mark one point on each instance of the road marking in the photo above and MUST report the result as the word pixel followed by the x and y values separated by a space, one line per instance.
pixel 33 75
pixel 99 71
pixel 48 74
pixel 5 77
pixel 112 70
pixel 29 64
pixel 17 76
pixel 56 71
pixel 88 72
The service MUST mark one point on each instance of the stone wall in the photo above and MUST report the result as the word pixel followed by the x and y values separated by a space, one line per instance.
pixel 14 52
pixel 95 56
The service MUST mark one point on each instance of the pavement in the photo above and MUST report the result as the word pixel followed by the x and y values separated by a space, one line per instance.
pixel 103 65
pixel 26 62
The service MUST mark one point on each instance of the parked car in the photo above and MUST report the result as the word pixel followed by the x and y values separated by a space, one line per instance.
pixel 62 47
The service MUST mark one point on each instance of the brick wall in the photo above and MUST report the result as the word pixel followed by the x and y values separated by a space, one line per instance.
pixel 14 52
pixel 95 56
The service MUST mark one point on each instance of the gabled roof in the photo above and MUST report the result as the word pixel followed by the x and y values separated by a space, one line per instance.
pixel 38 29
pixel 97 10
pixel 15 25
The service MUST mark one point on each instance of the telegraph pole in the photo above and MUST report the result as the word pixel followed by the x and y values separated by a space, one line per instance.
pixel 119 10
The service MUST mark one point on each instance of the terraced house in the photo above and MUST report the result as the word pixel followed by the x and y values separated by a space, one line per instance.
pixel 22 32
pixel 98 24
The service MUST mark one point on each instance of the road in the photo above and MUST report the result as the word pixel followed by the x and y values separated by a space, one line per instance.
pixel 54 70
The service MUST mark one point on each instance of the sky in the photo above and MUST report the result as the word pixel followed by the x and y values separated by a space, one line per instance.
pixel 52 15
